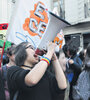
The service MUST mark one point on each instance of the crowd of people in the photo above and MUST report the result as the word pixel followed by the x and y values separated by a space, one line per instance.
pixel 63 75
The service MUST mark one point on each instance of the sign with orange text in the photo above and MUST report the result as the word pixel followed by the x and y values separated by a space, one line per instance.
pixel 59 39
pixel 28 27
pixel 33 24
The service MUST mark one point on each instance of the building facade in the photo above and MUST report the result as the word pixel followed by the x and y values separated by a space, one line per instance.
pixel 77 12
pixel 78 34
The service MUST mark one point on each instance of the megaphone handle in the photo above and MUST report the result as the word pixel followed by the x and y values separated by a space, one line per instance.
pixel 40 52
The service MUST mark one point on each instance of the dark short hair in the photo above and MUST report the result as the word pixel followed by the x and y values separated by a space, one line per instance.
pixel 65 49
pixel 20 53
pixel 11 50
pixel 12 44
pixel 88 50
pixel 81 55
pixel 72 50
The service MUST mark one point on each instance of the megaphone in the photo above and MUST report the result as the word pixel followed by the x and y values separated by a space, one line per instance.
pixel 54 26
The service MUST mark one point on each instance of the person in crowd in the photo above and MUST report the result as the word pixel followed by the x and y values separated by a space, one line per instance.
pixel 81 91
pixel 1 53
pixel 11 56
pixel 2 93
pixel 63 61
pixel 82 55
pixel 74 67
pixel 65 50
pixel 0 50
pixel 6 56
pixel 30 80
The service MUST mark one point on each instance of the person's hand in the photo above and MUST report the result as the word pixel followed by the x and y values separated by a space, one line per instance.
pixel 71 61
pixel 54 57
pixel 51 47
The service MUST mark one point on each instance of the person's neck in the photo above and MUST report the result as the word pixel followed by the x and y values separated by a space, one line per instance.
pixel 11 63
pixel 27 66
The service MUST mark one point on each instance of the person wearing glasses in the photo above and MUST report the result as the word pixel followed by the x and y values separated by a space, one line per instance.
pixel 30 79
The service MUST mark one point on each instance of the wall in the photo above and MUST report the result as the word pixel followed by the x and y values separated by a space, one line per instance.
pixel 74 10
pixel 71 10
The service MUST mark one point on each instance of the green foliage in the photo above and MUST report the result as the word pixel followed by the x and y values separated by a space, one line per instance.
pixel 7 44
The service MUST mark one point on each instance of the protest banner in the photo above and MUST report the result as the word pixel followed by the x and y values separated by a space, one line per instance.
pixel 27 24
pixel 36 26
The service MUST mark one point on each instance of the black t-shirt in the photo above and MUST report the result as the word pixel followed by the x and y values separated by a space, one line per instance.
pixel 45 89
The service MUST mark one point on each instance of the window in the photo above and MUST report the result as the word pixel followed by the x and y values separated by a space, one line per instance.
pixel 56 7
pixel 87 9
pixel 13 1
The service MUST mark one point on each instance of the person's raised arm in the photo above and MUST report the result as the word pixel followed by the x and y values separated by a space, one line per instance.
pixel 34 76
pixel 59 74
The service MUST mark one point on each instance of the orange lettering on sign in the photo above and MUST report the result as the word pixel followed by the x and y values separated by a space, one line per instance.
pixel 59 40
pixel 37 19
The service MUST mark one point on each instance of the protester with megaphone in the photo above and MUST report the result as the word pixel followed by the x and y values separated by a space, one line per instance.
pixel 30 80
